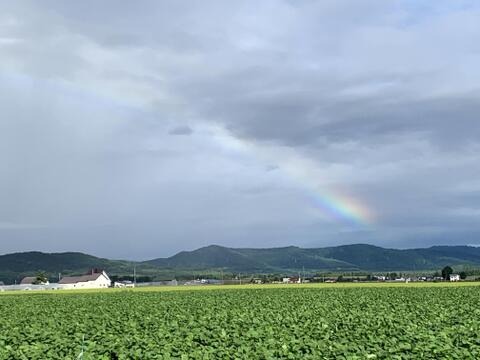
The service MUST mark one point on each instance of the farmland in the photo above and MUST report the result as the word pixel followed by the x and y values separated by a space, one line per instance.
pixel 290 322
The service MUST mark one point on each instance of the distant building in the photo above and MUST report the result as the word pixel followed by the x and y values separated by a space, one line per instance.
pixel 454 277
pixel 124 284
pixel 28 280
pixel 96 279
pixel 31 280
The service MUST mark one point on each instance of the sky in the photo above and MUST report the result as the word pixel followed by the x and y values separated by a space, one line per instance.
pixel 137 130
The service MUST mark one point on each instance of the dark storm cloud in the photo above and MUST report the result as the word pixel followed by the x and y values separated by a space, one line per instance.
pixel 323 114
pixel 377 101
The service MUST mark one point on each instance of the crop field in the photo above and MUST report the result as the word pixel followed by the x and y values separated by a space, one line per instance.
pixel 291 322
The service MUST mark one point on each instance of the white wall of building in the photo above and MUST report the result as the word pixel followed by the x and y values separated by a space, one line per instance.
pixel 102 282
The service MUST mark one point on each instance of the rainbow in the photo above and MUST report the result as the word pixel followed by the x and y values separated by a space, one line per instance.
pixel 342 208
pixel 294 170
pixel 303 174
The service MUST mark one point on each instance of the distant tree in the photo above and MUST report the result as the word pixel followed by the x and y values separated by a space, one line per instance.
pixel 446 272
pixel 463 275
pixel 340 278
pixel 40 278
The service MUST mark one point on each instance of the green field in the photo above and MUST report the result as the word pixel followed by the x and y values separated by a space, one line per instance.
pixel 250 322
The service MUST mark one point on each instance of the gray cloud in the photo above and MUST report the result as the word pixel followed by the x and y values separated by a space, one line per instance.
pixel 373 103
pixel 181 130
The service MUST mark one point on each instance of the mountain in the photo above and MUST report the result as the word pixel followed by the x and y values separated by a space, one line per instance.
pixel 338 258
pixel 216 258
pixel 13 267
pixel 21 262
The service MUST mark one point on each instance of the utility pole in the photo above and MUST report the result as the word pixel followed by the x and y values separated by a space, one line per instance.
pixel 134 276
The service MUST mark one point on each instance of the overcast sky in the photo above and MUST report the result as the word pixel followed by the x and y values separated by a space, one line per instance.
pixel 136 130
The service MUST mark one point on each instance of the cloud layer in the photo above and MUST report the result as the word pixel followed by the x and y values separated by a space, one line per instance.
pixel 138 131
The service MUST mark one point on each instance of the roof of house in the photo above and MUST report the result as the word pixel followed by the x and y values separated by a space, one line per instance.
pixel 77 279
pixel 28 280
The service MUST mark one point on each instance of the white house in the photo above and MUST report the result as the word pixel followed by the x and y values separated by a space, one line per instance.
pixel 454 277
pixel 93 280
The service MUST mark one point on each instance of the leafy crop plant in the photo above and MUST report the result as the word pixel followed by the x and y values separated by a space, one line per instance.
pixel 257 323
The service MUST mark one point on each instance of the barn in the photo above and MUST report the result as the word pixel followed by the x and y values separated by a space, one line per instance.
pixel 95 279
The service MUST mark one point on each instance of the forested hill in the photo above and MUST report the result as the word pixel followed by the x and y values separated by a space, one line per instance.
pixel 270 260
pixel 14 266
pixel 347 257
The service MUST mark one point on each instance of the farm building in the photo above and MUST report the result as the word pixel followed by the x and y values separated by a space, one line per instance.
pixel 29 280
pixel 96 279
pixel 454 277
pixel 124 284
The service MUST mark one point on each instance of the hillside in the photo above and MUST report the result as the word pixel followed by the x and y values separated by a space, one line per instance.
pixel 210 257
pixel 247 260
pixel 341 258
pixel 15 266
